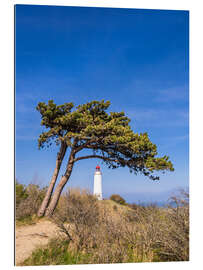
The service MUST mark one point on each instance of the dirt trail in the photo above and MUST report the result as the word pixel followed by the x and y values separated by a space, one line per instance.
pixel 29 237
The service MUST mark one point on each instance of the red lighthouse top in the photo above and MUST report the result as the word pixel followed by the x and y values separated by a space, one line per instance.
pixel 97 167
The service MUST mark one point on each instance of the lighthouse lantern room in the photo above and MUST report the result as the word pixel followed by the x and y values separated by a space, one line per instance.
pixel 98 183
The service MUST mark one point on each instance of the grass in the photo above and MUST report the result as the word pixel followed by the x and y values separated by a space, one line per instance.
pixel 107 232
pixel 111 204
pixel 115 209
pixel 28 220
pixel 55 253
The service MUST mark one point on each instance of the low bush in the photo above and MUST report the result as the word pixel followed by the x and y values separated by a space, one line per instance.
pixel 174 231
pixel 118 199
pixel 94 234
pixel 21 193
pixel 78 217
pixel 28 200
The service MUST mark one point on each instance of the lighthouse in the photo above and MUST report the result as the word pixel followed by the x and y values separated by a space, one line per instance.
pixel 98 183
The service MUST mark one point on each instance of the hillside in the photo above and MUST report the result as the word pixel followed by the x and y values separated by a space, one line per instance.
pixel 32 236
pixel 114 207
pixel 105 232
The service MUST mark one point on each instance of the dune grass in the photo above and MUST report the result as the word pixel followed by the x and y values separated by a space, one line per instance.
pixel 106 232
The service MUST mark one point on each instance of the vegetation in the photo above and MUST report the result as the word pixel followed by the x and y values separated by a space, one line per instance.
pixel 118 199
pixel 21 193
pixel 108 136
pixel 96 232
pixel 28 201
pixel 56 253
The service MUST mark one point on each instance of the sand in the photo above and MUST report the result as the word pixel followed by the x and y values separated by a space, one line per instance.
pixel 30 237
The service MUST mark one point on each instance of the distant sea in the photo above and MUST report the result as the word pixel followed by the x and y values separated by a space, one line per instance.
pixel 161 199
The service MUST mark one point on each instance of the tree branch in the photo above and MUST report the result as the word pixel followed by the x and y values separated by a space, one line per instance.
pixel 95 156
pixel 87 144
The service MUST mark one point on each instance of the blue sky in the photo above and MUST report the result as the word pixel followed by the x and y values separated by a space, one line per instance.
pixel 137 59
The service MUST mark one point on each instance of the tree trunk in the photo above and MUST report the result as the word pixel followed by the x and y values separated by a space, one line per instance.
pixel 59 188
pixel 47 197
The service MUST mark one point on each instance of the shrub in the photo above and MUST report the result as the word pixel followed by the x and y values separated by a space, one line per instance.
pixel 30 203
pixel 118 199
pixel 77 217
pixel 143 234
pixel 174 232
pixel 91 228
pixel 115 208
pixel 21 193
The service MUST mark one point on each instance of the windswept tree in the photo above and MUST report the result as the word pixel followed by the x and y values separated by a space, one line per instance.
pixel 107 134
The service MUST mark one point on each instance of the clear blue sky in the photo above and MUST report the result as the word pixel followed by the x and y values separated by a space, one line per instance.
pixel 137 59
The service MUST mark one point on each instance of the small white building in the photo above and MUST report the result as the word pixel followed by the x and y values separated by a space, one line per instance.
pixel 98 183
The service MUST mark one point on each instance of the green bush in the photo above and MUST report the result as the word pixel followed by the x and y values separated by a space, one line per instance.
pixel 21 193
pixel 28 200
pixel 118 199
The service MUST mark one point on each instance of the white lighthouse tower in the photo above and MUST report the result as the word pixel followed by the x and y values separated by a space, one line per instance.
pixel 98 183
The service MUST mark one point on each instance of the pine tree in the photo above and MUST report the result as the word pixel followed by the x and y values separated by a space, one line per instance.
pixel 107 134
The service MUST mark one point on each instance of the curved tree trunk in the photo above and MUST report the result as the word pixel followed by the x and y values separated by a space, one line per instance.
pixel 59 188
pixel 47 197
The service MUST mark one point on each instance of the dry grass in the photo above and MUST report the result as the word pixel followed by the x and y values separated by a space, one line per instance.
pixel 106 232
pixel 117 233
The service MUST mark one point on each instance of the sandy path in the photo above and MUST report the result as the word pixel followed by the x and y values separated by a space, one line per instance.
pixel 29 237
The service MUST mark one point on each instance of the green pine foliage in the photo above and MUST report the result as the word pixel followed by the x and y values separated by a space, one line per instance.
pixel 107 134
